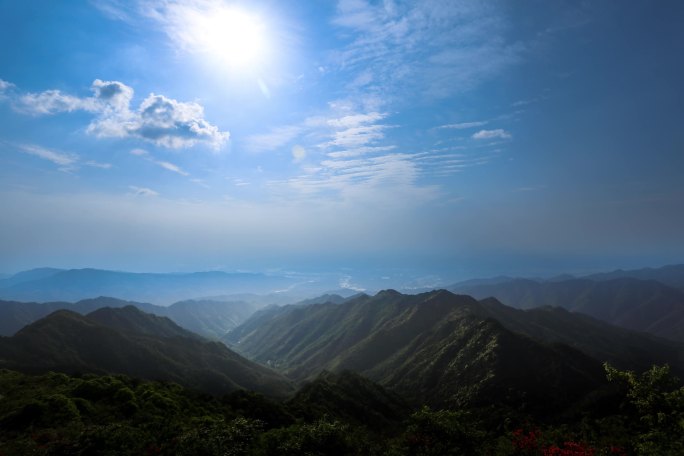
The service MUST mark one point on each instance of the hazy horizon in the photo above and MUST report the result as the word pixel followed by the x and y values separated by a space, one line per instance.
pixel 411 140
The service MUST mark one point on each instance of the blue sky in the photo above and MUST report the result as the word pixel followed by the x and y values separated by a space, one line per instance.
pixel 451 139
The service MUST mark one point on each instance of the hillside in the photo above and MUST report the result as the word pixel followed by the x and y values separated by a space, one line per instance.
pixel 208 318
pixel 350 398
pixel 642 305
pixel 621 347
pixel 430 348
pixel 128 341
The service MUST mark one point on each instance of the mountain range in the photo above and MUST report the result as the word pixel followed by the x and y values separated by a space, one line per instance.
pixel 642 305
pixel 208 318
pixel 434 348
pixel 49 284
pixel 128 341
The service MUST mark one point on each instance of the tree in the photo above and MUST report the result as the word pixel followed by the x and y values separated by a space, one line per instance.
pixel 656 398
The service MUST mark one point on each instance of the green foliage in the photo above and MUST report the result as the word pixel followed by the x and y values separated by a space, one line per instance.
pixel 657 401
pixel 442 432
pixel 55 414
pixel 234 438
pixel 319 438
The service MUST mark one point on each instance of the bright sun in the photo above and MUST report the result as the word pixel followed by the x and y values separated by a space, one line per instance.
pixel 234 37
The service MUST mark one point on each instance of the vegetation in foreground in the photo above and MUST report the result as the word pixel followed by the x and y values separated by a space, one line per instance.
pixel 55 413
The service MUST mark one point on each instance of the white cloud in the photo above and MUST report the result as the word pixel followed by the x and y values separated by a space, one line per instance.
pixel 433 48
pixel 159 119
pixel 240 182
pixel 273 140
pixel 492 134
pixel 143 191
pixel 462 125
pixel 358 136
pixel 199 182
pixel 114 9
pixel 58 158
pixel 357 151
pixel 171 167
pixel 51 102
pixel 356 120
pixel 66 161
pixel 100 165
pixel 164 164
pixel 4 87
pixel 115 95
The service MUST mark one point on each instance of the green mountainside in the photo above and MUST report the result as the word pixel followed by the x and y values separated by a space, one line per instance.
pixel 130 319
pixel 128 341
pixel 621 347
pixel 337 414
pixel 351 398
pixel 208 318
pixel 390 374
pixel 642 305
pixel 433 348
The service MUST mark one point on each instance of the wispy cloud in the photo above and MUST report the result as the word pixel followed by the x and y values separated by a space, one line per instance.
pixel 274 139
pixel 171 167
pixel 143 191
pixel 430 48
pixel 355 160
pixel 240 182
pixel 58 158
pixel 531 188
pixel 100 165
pixel 498 133
pixel 158 119
pixel 164 164
pixel 462 125
pixel 5 86
pixel 66 161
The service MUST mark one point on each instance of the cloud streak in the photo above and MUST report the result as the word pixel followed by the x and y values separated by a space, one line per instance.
pixel 61 159
pixel 164 164
pixel 66 161
pixel 432 49
pixel 499 133
pixel 462 125
pixel 143 191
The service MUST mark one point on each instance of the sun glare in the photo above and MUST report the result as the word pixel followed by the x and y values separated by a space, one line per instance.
pixel 234 37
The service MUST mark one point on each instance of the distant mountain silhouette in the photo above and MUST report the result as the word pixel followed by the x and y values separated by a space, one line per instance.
pixel 672 275
pixel 76 284
pixel 207 318
pixel 431 348
pixel 643 305
pixel 27 276
pixel 129 341
pixel 332 298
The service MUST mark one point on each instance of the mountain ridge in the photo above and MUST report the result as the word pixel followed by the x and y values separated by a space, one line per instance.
pixel 130 342
pixel 430 348
pixel 642 305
